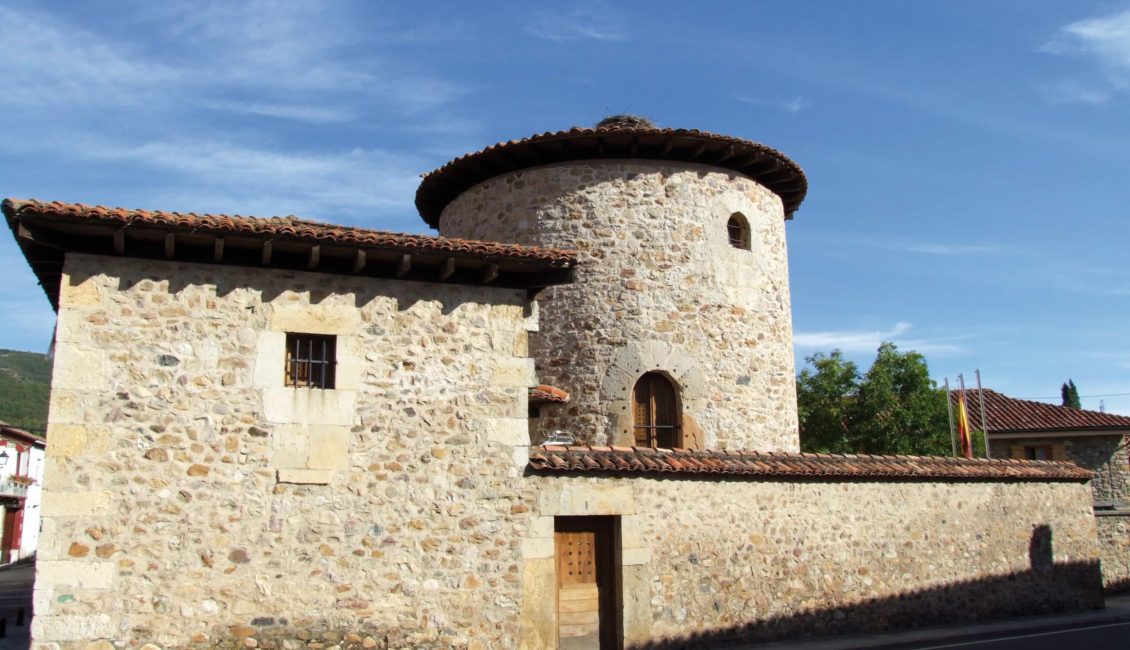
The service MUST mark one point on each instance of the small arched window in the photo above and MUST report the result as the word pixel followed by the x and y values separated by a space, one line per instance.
pixel 655 412
pixel 738 229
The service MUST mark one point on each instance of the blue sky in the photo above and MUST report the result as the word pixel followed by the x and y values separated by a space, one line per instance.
pixel 968 161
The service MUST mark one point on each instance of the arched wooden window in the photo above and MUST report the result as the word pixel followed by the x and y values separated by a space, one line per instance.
pixel 655 412
pixel 738 229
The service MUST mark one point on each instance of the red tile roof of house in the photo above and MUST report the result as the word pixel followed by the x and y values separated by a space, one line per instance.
pixel 9 431
pixel 635 460
pixel 283 227
pixel 547 393
pixel 48 231
pixel 1010 415
pixel 765 165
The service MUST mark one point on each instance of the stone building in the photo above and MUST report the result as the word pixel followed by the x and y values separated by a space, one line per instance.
pixel 279 433
pixel 1022 429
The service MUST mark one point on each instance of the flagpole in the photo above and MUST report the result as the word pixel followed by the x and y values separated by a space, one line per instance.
pixel 963 419
pixel 949 411
pixel 984 422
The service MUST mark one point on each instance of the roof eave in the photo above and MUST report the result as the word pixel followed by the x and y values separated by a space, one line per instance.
pixel 46 238
pixel 756 161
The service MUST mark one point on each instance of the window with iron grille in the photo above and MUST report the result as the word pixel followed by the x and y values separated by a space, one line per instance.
pixel 738 230
pixel 310 360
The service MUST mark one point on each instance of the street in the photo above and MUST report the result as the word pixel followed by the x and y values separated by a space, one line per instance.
pixel 1114 636
pixel 15 595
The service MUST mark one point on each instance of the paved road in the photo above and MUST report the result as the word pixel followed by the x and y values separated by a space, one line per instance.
pixel 15 594
pixel 1115 636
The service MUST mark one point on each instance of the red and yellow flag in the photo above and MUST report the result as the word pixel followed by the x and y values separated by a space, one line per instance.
pixel 963 426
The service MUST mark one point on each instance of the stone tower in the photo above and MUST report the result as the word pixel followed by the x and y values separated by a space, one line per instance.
pixel 677 330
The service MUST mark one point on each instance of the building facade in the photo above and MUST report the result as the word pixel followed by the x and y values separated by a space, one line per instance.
pixel 1027 430
pixel 21 474
pixel 271 432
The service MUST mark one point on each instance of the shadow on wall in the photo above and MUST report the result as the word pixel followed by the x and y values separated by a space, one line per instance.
pixel 1118 586
pixel 1044 588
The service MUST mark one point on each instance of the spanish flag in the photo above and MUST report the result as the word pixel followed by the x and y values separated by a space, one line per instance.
pixel 963 426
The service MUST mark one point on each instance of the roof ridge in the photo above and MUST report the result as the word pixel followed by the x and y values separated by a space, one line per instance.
pixel 441 185
pixel 1014 414
pixel 130 215
pixel 588 458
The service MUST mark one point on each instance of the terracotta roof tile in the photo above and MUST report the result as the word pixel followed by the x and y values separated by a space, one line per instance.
pixel 1008 415
pixel 547 393
pixel 766 165
pixel 284 227
pixel 26 436
pixel 621 460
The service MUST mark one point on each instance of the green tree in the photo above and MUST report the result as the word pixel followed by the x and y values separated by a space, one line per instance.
pixel 1070 395
pixel 825 396
pixel 894 408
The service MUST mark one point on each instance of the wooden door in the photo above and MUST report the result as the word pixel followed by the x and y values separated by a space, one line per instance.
pixel 9 542
pixel 655 412
pixel 586 584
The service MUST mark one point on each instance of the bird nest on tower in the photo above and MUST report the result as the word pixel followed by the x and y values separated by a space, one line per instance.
pixel 625 122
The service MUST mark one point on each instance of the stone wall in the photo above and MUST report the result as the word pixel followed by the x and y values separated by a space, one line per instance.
pixel 1114 538
pixel 191 499
pixel 1105 455
pixel 710 560
pixel 659 287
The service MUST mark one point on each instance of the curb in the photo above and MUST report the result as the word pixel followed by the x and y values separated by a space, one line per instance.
pixel 936 636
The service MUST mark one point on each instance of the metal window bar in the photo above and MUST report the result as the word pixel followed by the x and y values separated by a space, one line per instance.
pixel 659 435
pixel 315 368
pixel 738 230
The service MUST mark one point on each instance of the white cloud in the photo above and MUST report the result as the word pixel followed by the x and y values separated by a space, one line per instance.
pixel 1106 40
pixel 46 62
pixel 272 51
pixel 217 175
pixel 856 341
pixel 793 105
pixel 946 249
pixel 301 113
pixel 591 22
pixel 1072 92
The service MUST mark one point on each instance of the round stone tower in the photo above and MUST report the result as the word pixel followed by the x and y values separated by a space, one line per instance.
pixel 677 330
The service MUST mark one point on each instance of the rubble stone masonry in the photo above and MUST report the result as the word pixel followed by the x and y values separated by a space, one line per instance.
pixel 1114 541
pixel 191 498
pixel 192 501
pixel 706 560
pixel 659 287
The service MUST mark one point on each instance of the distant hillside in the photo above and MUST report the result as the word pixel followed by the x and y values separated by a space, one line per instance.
pixel 25 384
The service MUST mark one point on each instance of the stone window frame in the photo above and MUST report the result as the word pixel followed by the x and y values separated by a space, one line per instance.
pixel 309 428
pixel 738 232
pixel 634 360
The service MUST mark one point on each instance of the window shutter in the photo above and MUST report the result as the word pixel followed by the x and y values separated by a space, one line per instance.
pixel 655 412
pixel 1059 452
pixel 641 407
pixel 1016 452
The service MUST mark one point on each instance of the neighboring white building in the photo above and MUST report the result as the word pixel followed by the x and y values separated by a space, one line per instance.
pixel 21 473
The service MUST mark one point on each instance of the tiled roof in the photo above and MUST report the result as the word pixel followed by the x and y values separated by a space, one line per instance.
pixel 1010 415
pixel 47 232
pixel 766 165
pixel 547 393
pixel 634 460
pixel 7 430
pixel 281 227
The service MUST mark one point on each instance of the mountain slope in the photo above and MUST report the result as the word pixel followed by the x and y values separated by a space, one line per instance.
pixel 25 385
